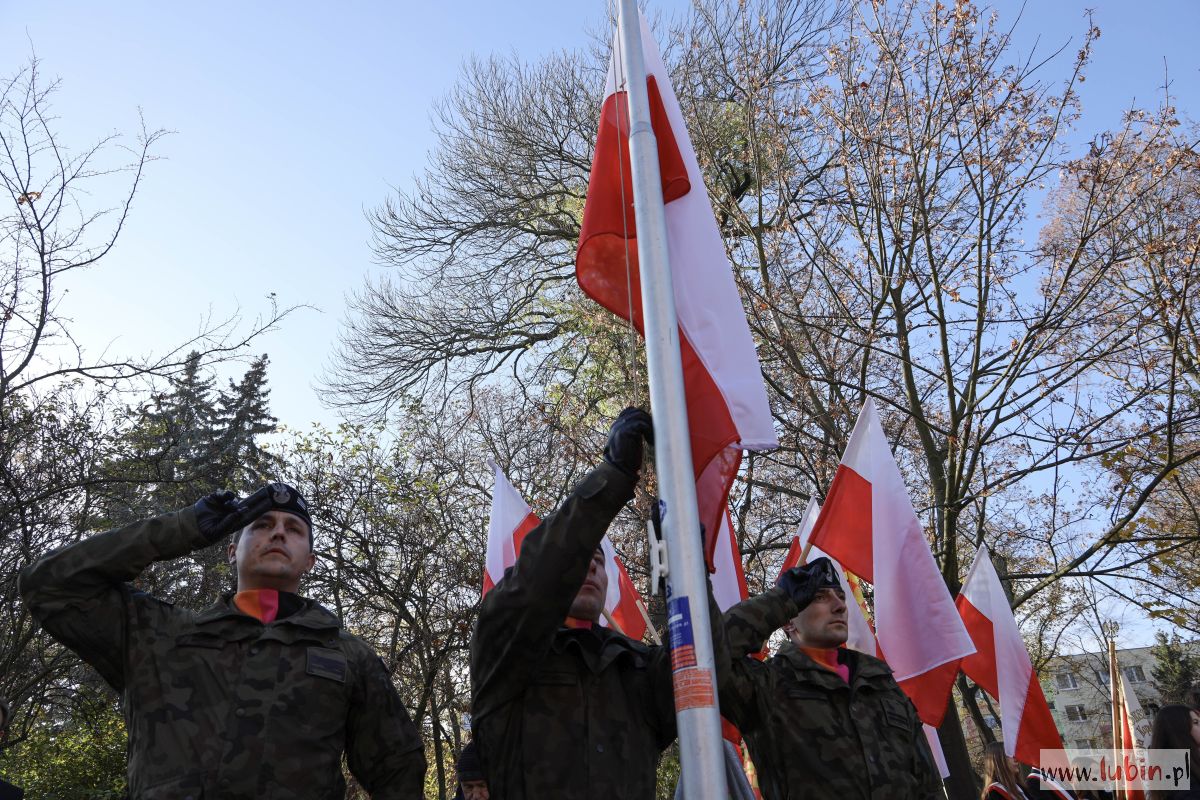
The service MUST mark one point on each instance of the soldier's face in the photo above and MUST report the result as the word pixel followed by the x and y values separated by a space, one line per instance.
pixel 589 602
pixel 475 790
pixel 273 552
pixel 823 622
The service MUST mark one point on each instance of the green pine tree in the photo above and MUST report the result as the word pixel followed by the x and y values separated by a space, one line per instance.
pixel 1176 668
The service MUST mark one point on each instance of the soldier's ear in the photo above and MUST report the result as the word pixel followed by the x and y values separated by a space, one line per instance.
pixel 231 553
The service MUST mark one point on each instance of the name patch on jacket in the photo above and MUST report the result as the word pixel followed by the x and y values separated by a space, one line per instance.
pixel 326 664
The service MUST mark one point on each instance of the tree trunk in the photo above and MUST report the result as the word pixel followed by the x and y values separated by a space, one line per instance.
pixel 962 783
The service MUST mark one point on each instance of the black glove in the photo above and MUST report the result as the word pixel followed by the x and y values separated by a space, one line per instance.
pixel 624 447
pixel 802 583
pixel 221 513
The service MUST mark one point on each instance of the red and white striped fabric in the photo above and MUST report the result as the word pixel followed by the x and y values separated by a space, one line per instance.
pixel 859 634
pixel 1001 665
pixel 726 397
pixel 869 525
pixel 1135 736
pixel 512 519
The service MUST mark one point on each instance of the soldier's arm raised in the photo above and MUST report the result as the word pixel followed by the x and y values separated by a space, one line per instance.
pixel 383 744
pixel 751 622
pixel 519 616
pixel 79 592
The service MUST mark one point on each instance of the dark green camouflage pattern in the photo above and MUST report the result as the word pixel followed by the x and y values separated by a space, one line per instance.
pixel 811 735
pixel 566 713
pixel 217 704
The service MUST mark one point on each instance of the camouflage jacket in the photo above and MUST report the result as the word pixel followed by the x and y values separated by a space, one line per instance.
pixel 217 704
pixel 566 713
pixel 810 734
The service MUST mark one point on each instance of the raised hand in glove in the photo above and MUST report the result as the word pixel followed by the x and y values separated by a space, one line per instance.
pixel 624 447
pixel 221 513
pixel 803 582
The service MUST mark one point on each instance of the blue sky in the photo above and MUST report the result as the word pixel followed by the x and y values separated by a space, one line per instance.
pixel 290 120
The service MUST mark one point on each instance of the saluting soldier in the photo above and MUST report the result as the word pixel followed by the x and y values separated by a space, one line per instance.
pixel 562 707
pixel 820 720
pixel 257 696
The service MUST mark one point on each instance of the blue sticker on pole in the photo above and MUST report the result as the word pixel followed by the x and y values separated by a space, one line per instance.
pixel 679 622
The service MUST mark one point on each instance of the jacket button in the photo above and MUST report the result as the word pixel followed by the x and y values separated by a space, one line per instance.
pixel 254 650
pixel 241 712
pixel 599 748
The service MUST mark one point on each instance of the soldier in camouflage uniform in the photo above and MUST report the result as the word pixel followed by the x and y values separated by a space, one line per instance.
pixel 259 695
pixel 563 708
pixel 821 721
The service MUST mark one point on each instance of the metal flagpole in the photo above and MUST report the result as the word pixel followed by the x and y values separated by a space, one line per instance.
pixel 699 721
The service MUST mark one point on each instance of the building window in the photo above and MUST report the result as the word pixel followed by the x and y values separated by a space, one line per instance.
pixel 1076 713
pixel 1084 744
pixel 1066 680
pixel 1050 703
pixel 1101 676
pixel 1135 674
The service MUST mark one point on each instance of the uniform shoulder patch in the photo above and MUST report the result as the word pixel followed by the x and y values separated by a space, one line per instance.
pixel 325 663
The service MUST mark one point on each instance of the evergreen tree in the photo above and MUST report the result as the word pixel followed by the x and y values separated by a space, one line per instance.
pixel 242 416
pixel 1176 669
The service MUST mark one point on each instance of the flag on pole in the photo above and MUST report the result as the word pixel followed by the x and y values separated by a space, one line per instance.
pixel 1135 737
pixel 868 524
pixel 1001 665
pixel 512 519
pixel 726 398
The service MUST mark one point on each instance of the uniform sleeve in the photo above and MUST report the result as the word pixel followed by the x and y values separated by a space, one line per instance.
pixel 79 593
pixel 519 616
pixel 746 627
pixel 383 745
pixel 751 622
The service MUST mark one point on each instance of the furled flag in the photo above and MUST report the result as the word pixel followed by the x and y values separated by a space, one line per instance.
pixel 512 519
pixel 1135 737
pixel 869 525
pixel 859 635
pixel 726 398
pixel 1001 665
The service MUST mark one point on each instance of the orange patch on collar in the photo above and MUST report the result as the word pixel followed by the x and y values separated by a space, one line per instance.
pixel 574 622
pixel 262 604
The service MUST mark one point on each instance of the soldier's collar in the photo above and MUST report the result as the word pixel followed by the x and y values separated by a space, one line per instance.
pixel 311 615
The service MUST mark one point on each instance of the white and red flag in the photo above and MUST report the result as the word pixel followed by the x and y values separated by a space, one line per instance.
pixel 1001 665
pixel 1135 738
pixel 512 519
pixel 726 398
pixel 868 524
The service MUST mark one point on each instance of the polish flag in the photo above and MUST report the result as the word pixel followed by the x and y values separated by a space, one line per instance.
pixel 726 397
pixel 860 635
pixel 1001 665
pixel 512 519
pixel 729 577
pixel 1135 736
pixel 869 525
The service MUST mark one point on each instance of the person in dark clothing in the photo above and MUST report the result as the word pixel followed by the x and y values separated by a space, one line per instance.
pixel 1177 727
pixel 471 783
pixel 562 707
pixel 259 695
pixel 821 721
